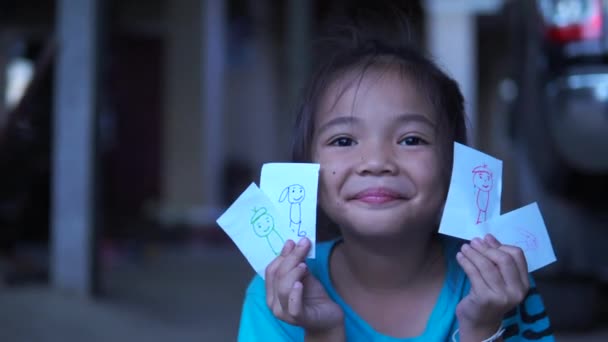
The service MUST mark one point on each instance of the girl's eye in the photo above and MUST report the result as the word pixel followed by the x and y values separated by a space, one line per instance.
pixel 342 141
pixel 412 141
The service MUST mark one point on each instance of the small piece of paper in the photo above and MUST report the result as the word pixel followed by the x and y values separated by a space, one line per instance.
pixel 472 209
pixel 292 188
pixel 524 228
pixel 474 193
pixel 252 222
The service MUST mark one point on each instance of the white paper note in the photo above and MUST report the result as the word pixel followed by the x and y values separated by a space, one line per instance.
pixel 252 224
pixel 472 209
pixel 524 228
pixel 292 188
pixel 474 194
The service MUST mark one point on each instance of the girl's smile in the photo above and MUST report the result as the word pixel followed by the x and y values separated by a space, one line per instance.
pixel 378 195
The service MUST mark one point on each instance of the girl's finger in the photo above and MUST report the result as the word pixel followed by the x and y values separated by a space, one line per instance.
pixel 518 256
pixel 286 283
pixel 509 271
pixel 294 307
pixel 271 270
pixel 487 267
pixel 520 259
pixel 492 241
pixel 269 280
pixel 296 256
pixel 477 281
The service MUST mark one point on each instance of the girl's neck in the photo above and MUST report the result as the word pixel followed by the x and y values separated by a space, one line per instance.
pixel 389 265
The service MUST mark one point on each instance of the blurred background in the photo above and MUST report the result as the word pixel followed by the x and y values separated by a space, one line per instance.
pixel 127 127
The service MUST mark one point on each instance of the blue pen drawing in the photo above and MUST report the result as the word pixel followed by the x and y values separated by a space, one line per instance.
pixel 294 194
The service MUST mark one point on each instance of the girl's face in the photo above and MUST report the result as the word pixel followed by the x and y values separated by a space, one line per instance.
pixel 377 143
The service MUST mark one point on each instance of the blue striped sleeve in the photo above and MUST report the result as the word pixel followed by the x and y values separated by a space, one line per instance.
pixel 529 320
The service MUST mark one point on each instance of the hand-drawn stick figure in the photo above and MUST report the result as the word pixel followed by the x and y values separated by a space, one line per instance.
pixel 482 182
pixel 263 226
pixel 295 195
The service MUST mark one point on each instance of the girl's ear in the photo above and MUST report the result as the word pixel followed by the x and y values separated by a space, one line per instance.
pixel 284 194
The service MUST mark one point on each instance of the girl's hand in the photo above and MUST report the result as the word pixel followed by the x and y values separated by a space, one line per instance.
pixel 499 282
pixel 295 296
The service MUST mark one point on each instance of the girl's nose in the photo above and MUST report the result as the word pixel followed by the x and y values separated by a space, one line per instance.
pixel 377 159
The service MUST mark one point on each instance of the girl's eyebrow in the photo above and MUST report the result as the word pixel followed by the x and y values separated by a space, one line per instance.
pixel 351 120
pixel 407 117
pixel 339 121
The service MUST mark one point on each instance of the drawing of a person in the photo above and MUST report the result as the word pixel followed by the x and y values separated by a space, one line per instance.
pixel 263 226
pixel 482 182
pixel 294 194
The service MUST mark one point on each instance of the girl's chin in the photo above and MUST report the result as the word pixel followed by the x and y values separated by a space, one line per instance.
pixel 378 238
pixel 376 230
pixel 405 227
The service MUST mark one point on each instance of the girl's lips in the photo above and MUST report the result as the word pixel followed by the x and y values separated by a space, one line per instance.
pixel 377 195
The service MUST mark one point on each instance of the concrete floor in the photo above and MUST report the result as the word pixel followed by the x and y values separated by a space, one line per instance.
pixel 157 294
pixel 182 293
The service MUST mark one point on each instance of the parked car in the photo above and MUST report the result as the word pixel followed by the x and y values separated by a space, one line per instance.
pixel 573 91
pixel 559 126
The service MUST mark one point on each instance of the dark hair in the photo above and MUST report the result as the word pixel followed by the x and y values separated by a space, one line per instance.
pixel 355 44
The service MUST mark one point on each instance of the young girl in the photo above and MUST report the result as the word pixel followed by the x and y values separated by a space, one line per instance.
pixel 381 120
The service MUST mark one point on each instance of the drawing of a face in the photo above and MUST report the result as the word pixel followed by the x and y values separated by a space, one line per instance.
pixel 377 141
pixel 264 225
pixel 295 193
pixel 482 178
pixel 262 222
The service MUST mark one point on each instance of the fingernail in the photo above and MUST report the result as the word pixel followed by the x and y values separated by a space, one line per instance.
pixel 302 242
pixel 476 242
pixel 491 240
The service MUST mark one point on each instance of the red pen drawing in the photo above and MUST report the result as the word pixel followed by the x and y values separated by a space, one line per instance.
pixel 527 240
pixel 482 182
